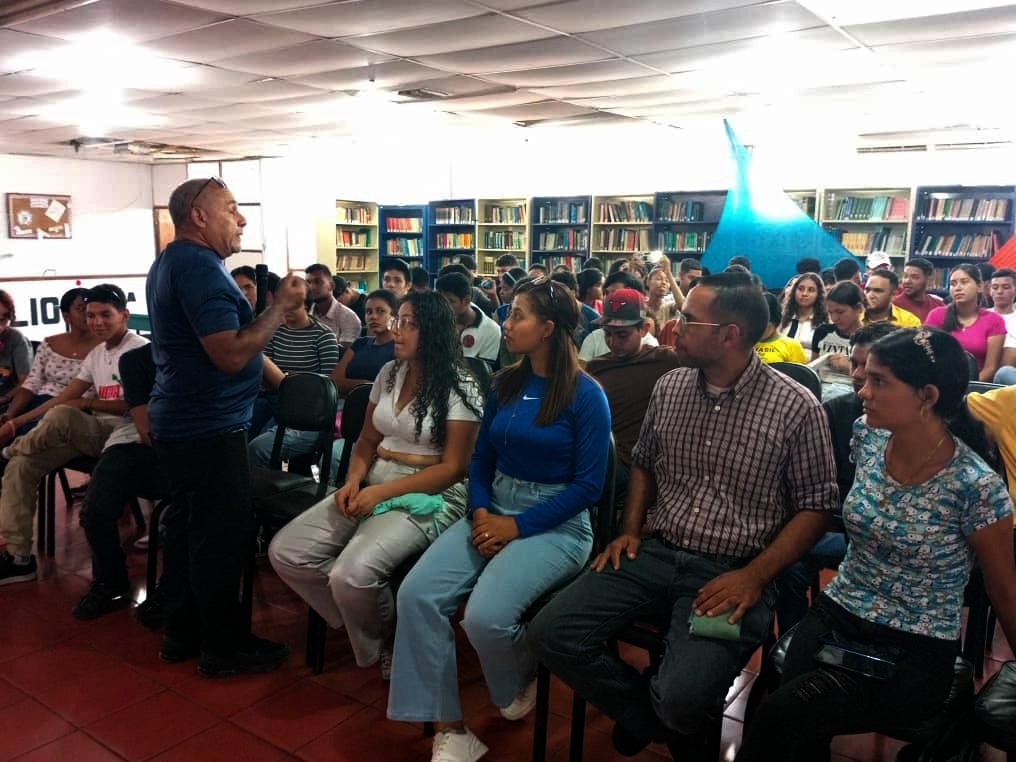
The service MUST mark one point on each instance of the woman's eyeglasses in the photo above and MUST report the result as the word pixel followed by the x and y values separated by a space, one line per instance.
pixel 401 323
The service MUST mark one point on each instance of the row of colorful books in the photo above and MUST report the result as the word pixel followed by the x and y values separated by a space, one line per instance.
pixel 346 263
pixel 505 215
pixel 561 212
pixel 681 211
pixel 355 239
pixel 672 240
pixel 622 240
pixel 509 240
pixel 624 211
pixel 952 245
pixel 884 239
pixel 354 215
pixel 987 209
pixel 454 215
pixel 404 225
pixel 408 247
pixel 869 208
pixel 453 240
pixel 571 240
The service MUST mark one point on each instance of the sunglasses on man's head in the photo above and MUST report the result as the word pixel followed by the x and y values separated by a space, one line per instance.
pixel 217 180
pixel 105 296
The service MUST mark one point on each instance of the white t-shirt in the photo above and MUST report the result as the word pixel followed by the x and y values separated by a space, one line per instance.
pixel 482 339
pixel 399 429
pixel 1010 329
pixel 594 345
pixel 101 369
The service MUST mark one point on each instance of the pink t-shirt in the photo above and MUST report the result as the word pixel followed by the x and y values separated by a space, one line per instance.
pixel 973 338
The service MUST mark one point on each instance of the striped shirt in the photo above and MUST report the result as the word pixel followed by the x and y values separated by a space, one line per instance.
pixel 731 469
pixel 312 348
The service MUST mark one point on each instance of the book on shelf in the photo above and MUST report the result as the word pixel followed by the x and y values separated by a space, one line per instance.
pixel 624 211
pixel 486 264
pixel 670 241
pixel 408 247
pixel 353 239
pixel 681 211
pixel 505 215
pixel 887 239
pixel 981 245
pixel 573 263
pixel 404 225
pixel 354 215
pixel 623 241
pixel 561 212
pixel 969 209
pixel 870 208
pixel 453 240
pixel 568 240
pixel 454 215
pixel 508 240
pixel 351 262
pixel 806 203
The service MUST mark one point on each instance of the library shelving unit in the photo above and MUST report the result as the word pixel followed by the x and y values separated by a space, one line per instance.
pixel 349 243
pixel 502 227
pixel 559 231
pixel 684 222
pixel 961 223
pixel 622 225
pixel 807 200
pixel 451 230
pixel 866 220
pixel 403 231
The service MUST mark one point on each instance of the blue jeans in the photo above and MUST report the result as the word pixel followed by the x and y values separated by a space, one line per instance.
pixel 499 589
pixel 1006 375
pixel 658 586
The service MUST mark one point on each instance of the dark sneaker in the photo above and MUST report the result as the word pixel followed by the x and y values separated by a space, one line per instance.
pixel 11 572
pixel 174 650
pixel 255 655
pixel 100 599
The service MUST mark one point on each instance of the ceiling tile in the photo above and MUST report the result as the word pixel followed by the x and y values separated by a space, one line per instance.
pixel 306 58
pixel 480 102
pixel 705 28
pixel 971 24
pixel 966 49
pixel 307 103
pixel 136 20
pixel 14 46
pixel 554 76
pixel 28 84
pixel 227 39
pixel 253 92
pixel 556 51
pixel 588 15
pixel 387 75
pixel 347 19
pixel 454 85
pixel 200 79
pixel 175 102
pixel 225 115
pixel 539 110
pixel 249 7
pixel 655 84
pixel 466 34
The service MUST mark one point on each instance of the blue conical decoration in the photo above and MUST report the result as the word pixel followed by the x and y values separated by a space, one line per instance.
pixel 763 223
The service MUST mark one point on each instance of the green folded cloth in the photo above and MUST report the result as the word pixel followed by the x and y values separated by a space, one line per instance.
pixel 417 503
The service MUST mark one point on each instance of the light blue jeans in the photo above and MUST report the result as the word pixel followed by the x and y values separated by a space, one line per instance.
pixel 499 589
pixel 1006 375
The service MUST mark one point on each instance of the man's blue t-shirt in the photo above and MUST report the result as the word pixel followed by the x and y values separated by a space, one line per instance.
pixel 191 294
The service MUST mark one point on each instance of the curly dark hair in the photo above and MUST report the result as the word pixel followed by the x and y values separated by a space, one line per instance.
pixel 439 358
pixel 558 305
pixel 819 316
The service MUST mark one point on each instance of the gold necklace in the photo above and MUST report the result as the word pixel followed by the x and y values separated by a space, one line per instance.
pixel 924 463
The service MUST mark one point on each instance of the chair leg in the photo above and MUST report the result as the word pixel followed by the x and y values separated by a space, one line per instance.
pixel 541 714
pixel 247 595
pixel 317 632
pixel 41 513
pixel 65 486
pixel 578 729
pixel 51 513
pixel 152 566
pixel 138 515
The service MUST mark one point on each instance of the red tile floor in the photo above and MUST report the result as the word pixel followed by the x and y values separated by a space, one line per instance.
pixel 85 691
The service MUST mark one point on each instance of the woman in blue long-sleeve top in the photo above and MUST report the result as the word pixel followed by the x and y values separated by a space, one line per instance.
pixel 539 464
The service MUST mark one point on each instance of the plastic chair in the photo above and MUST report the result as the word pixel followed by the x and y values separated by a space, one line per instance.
pixel 802 374
pixel 306 402
pixel 975 374
pixel 994 716
pixel 46 513
pixel 982 386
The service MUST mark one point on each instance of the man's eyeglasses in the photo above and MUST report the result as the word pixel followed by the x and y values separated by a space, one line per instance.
pixel 401 323
pixel 217 180
pixel 683 322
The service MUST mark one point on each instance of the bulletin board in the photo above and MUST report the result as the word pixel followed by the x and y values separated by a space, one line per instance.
pixel 38 215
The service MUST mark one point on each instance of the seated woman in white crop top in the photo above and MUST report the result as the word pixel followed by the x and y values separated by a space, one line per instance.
pixel 417 439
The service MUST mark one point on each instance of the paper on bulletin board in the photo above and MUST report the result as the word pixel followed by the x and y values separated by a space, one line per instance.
pixel 38 215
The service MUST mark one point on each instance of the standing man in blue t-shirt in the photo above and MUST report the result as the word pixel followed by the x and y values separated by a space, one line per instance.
pixel 207 354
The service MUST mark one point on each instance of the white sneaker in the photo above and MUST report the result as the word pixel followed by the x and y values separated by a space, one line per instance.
pixel 450 746
pixel 385 661
pixel 522 705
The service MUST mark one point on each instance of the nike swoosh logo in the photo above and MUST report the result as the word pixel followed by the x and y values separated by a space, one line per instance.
pixel 529 398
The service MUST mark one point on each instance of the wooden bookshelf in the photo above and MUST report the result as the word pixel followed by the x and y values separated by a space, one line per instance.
pixel 348 243
pixel 961 223
pixel 685 221
pixel 451 231
pixel 807 200
pixel 866 219
pixel 622 225
pixel 559 231
pixel 403 232
pixel 502 227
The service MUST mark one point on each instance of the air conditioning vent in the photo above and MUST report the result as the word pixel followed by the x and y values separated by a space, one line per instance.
pixel 423 94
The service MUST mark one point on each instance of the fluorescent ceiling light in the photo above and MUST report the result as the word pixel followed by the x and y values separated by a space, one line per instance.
pixel 98 112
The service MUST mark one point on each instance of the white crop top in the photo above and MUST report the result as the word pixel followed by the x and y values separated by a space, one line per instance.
pixel 399 430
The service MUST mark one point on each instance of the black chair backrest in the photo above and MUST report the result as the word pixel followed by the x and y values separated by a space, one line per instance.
pixel 982 386
pixel 354 412
pixel 602 514
pixel 975 374
pixel 480 369
pixel 802 374
pixel 306 402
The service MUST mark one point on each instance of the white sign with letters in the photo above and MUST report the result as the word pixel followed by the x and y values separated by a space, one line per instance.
pixel 37 302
